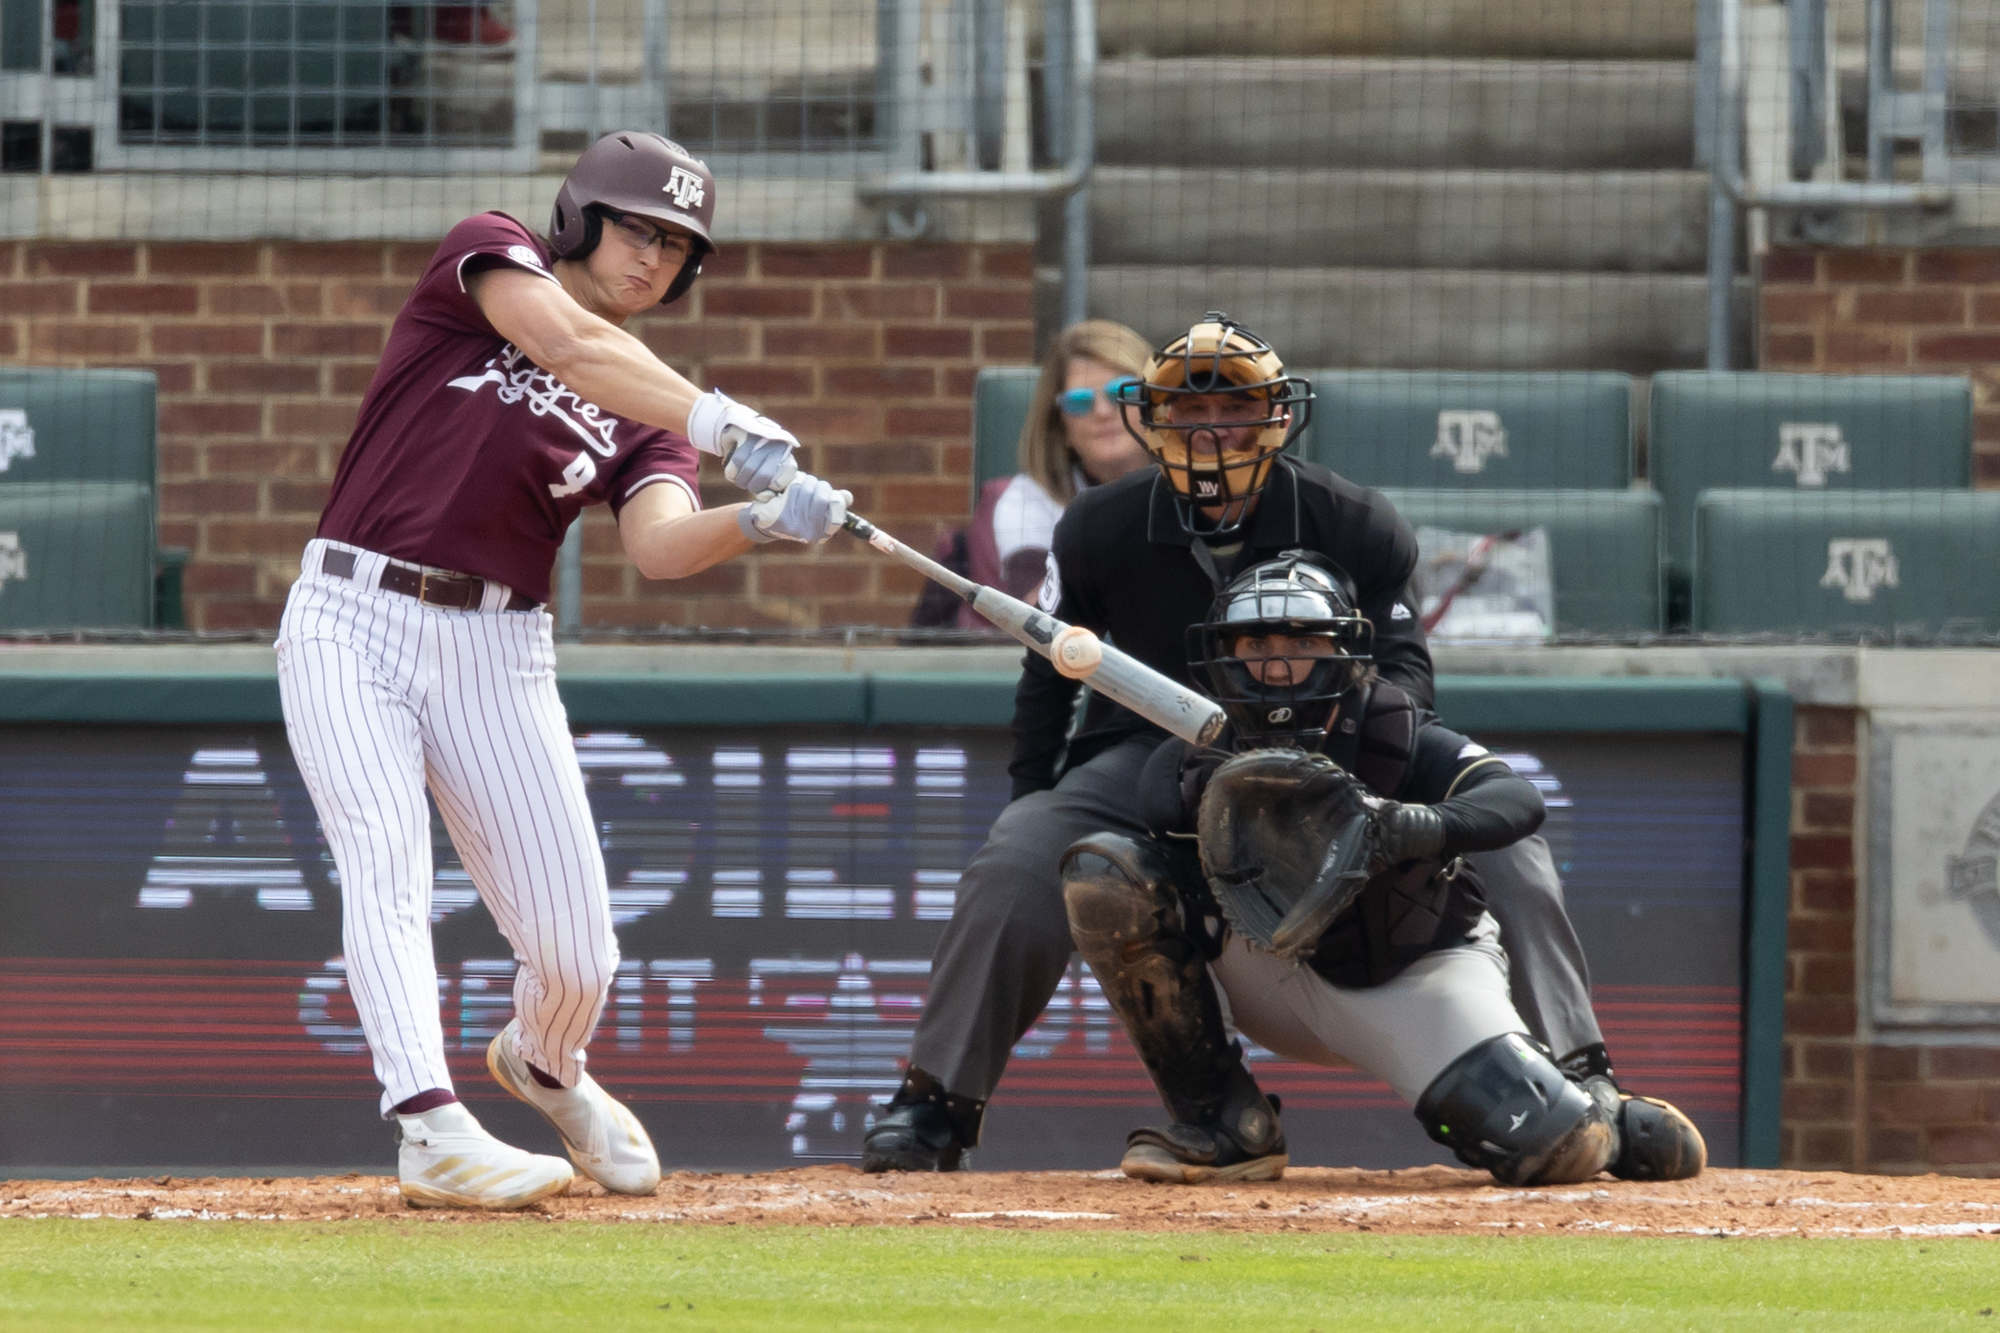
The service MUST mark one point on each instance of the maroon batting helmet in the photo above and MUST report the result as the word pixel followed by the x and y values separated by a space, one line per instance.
pixel 646 175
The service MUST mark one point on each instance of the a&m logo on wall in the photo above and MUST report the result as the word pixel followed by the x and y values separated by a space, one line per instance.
pixel 17 439
pixel 1469 438
pixel 1858 566
pixel 1811 450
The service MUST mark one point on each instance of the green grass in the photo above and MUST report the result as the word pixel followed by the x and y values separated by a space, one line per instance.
pixel 527 1274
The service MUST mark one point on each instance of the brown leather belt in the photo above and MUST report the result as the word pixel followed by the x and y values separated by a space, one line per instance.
pixel 458 592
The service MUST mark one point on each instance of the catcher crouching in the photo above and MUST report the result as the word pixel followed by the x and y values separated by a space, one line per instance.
pixel 1305 883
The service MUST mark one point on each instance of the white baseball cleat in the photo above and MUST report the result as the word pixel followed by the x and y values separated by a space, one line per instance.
pixel 448 1161
pixel 605 1140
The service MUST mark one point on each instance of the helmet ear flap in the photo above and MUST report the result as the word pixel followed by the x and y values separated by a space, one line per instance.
pixel 574 232
pixel 690 270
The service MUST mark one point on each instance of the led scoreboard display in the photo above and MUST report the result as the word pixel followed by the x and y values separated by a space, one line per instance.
pixel 172 988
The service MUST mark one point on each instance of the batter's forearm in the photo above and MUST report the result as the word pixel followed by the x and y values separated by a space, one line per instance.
pixel 673 546
pixel 611 368
pixel 595 358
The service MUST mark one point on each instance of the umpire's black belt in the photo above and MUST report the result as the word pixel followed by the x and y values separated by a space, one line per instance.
pixel 458 592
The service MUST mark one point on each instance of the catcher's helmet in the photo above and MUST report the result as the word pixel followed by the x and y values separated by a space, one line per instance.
pixel 1297 595
pixel 643 174
pixel 1215 408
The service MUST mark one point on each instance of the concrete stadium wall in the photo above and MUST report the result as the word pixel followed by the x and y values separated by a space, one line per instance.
pixel 263 350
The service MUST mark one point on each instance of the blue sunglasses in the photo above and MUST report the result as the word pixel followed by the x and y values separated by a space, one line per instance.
pixel 1082 402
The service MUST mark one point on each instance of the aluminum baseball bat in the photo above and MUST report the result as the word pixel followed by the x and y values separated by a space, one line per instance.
pixel 1118 676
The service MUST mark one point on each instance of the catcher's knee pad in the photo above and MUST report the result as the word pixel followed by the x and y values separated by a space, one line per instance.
pixel 1656 1142
pixel 1118 891
pixel 1505 1107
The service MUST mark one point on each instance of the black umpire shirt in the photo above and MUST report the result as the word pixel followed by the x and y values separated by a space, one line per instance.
pixel 1125 567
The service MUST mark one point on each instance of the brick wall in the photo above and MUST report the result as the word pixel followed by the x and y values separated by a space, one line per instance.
pixel 1820 975
pixel 262 351
pixel 1852 1104
pixel 1908 312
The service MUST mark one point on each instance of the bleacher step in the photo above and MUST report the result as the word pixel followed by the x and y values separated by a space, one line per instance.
pixel 1647 221
pixel 1353 112
pixel 1410 319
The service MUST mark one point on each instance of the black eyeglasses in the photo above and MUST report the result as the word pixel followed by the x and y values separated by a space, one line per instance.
pixel 639 233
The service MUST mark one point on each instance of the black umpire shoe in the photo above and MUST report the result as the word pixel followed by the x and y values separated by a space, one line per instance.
pixel 924 1128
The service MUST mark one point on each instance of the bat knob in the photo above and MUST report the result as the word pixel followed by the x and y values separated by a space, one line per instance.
pixel 1076 652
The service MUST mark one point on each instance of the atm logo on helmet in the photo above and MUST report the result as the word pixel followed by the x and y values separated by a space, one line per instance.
pixel 1858 566
pixel 686 188
pixel 1468 439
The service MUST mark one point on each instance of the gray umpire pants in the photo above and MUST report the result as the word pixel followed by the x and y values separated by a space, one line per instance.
pixel 1008 944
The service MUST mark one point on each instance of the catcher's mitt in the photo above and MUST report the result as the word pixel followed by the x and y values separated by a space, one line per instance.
pixel 1287 842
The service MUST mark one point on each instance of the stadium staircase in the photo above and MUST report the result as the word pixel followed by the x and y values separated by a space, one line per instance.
pixel 1404 183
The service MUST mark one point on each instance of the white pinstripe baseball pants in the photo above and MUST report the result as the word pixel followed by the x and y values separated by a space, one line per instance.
pixel 383 694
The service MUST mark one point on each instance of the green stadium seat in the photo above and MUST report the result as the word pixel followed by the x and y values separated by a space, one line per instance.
pixel 1801 433
pixel 77 425
pixel 1604 546
pixel 76 555
pixel 88 426
pixel 1000 398
pixel 1910 563
pixel 1455 430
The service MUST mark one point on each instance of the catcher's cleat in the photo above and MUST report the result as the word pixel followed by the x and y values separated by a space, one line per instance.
pixel 447 1161
pixel 924 1128
pixel 605 1140
pixel 1183 1154
pixel 1656 1142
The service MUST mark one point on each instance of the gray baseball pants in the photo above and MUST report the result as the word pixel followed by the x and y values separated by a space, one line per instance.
pixel 1007 945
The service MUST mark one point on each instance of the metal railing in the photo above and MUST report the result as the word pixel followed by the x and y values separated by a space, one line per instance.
pixel 964 133
pixel 1769 128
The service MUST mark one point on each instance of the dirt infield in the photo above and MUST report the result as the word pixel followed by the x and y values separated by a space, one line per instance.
pixel 1421 1200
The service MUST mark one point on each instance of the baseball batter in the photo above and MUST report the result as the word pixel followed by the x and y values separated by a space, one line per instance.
pixel 1312 890
pixel 1138 560
pixel 414 650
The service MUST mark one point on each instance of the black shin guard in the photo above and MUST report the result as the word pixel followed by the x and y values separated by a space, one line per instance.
pixel 1505 1107
pixel 1126 916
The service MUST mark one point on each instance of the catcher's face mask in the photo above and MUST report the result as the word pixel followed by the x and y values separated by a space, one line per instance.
pixel 1281 647
pixel 1215 408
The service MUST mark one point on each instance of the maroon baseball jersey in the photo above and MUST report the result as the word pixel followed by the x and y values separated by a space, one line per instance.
pixel 469 456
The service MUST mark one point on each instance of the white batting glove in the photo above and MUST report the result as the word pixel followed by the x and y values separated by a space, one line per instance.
pixel 756 452
pixel 808 510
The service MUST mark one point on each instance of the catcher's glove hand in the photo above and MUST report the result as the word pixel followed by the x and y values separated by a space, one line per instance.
pixel 1408 833
pixel 1287 842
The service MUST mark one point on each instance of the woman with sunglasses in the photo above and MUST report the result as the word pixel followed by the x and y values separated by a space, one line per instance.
pixel 414 651
pixel 1072 440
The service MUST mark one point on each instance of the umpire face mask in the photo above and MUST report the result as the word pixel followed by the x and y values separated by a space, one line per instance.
pixel 1215 408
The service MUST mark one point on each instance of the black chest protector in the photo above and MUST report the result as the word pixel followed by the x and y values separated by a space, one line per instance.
pixel 1408 910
